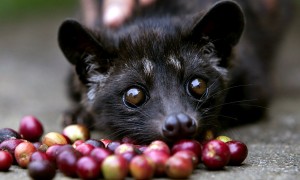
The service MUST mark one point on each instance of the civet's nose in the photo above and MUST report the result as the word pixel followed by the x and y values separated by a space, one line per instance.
pixel 179 126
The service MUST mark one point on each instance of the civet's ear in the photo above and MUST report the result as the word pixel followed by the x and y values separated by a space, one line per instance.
pixel 75 41
pixel 82 49
pixel 223 25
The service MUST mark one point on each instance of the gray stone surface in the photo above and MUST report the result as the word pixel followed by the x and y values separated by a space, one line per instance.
pixel 32 72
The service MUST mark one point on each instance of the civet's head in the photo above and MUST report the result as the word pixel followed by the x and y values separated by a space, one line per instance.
pixel 157 81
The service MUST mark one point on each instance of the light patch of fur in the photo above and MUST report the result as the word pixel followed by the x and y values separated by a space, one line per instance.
pixel 215 64
pixel 210 54
pixel 148 67
pixel 96 79
pixel 174 62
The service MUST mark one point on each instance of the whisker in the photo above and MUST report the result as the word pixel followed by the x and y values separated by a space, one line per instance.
pixel 231 87
pixel 142 112
pixel 201 99
pixel 212 115
pixel 226 89
pixel 232 102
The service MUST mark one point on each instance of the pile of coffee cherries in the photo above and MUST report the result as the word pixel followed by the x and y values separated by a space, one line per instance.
pixel 75 154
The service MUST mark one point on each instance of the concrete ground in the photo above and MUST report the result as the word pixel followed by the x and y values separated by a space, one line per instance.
pixel 32 72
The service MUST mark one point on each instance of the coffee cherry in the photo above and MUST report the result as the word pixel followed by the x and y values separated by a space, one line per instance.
pixel 113 145
pixel 215 154
pixel 141 167
pixel 128 156
pixel 10 145
pixel 114 167
pixel 238 152
pixel 31 128
pixel 8 133
pixel 23 153
pixel 66 147
pixel 106 142
pixel 191 145
pixel 209 135
pixel 87 168
pixel 52 152
pixel 77 143
pixel 53 138
pixel 123 148
pixel 95 143
pixel 187 154
pixel 39 156
pixel 126 150
pixel 43 169
pixel 76 132
pixel 99 154
pixel 225 139
pixel 178 167
pixel 6 160
pixel 159 159
pixel 84 149
pixel 66 162
pixel 159 146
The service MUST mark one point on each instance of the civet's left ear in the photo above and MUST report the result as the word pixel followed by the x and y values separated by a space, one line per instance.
pixel 223 25
pixel 83 50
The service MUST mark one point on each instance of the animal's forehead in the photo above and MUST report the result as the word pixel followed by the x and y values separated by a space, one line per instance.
pixel 168 66
pixel 149 43
pixel 171 61
pixel 149 67
pixel 164 53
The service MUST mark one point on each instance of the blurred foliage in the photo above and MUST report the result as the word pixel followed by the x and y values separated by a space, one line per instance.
pixel 12 9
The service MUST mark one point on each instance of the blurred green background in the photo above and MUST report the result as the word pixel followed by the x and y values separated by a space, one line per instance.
pixel 15 9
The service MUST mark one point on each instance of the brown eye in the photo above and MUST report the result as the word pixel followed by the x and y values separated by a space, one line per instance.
pixel 134 97
pixel 197 87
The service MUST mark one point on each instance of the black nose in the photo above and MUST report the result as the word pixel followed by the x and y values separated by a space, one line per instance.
pixel 179 126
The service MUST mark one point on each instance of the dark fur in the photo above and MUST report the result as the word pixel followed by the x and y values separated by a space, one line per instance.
pixel 193 34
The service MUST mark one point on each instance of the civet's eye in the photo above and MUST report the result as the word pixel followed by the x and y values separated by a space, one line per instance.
pixel 135 97
pixel 196 87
